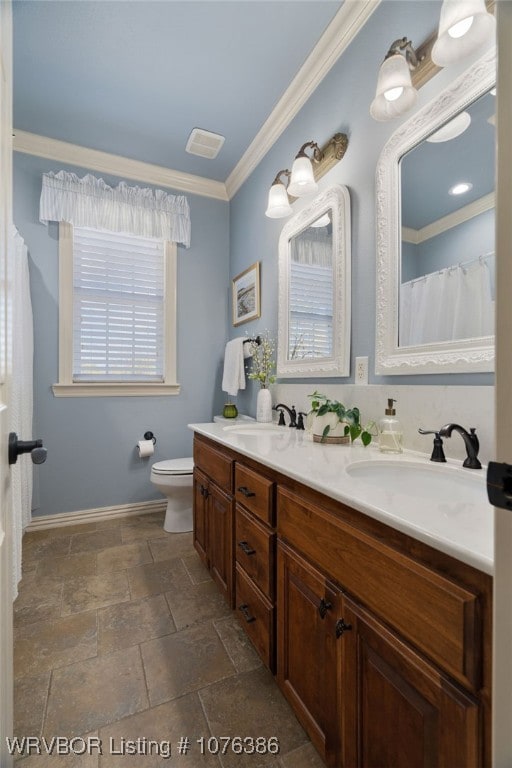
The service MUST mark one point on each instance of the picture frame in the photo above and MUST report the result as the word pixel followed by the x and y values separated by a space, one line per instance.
pixel 245 292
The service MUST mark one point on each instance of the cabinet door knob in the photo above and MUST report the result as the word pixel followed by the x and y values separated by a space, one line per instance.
pixel 246 548
pixel 341 627
pixel 244 609
pixel 323 607
pixel 204 491
pixel 245 491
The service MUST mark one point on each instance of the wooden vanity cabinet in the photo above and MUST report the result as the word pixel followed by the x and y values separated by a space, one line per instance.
pixel 255 542
pixel 381 644
pixel 308 653
pixel 408 662
pixel 213 515
pixel 398 710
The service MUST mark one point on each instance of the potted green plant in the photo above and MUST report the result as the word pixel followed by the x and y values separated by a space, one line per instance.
pixel 332 422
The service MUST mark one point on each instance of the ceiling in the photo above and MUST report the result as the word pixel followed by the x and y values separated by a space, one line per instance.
pixel 134 77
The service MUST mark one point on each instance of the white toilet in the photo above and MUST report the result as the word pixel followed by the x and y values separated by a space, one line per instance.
pixel 174 478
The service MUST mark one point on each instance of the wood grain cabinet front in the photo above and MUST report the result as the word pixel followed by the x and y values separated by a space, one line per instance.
pixel 213 515
pixel 381 644
pixel 255 542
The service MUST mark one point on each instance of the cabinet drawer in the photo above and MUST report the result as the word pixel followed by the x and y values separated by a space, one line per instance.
pixel 256 615
pixel 254 492
pixel 435 614
pixel 217 466
pixel 254 550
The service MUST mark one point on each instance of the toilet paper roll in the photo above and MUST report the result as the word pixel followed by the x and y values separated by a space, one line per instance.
pixel 145 448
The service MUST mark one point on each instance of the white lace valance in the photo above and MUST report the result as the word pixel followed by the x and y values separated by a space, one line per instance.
pixel 89 202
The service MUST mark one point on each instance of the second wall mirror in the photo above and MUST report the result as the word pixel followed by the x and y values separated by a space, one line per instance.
pixel 315 289
pixel 435 233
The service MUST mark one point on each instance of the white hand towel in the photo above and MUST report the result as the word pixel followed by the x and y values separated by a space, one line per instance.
pixel 234 374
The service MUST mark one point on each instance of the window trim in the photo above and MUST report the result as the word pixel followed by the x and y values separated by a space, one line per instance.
pixel 66 387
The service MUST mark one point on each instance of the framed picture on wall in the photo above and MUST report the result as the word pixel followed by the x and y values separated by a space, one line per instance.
pixel 246 295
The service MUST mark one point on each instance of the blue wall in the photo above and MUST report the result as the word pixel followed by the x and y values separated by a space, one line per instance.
pixel 91 441
pixel 340 103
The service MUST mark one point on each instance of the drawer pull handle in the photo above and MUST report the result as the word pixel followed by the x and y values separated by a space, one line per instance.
pixel 341 627
pixel 323 607
pixel 244 609
pixel 204 491
pixel 246 548
pixel 245 491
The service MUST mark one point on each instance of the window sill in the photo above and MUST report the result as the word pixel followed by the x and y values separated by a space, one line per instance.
pixel 117 389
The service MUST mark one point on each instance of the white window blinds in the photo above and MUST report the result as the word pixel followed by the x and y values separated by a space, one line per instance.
pixel 118 307
pixel 311 317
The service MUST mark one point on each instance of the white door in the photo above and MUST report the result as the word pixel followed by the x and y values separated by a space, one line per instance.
pixel 502 654
pixel 6 708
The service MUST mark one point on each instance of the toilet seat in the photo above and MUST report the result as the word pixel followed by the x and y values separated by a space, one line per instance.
pixel 174 467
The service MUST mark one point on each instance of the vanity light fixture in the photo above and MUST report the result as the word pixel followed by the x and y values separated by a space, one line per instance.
pixel 395 93
pixel 464 28
pixel 278 203
pixel 305 173
pixel 302 181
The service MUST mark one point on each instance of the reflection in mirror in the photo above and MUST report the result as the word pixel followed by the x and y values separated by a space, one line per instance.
pixel 435 249
pixel 447 253
pixel 314 289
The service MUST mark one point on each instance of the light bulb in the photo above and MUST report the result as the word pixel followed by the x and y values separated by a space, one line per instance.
pixel 460 29
pixel 393 94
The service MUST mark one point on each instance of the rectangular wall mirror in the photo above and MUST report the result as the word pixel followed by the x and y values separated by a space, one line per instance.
pixel 314 289
pixel 435 227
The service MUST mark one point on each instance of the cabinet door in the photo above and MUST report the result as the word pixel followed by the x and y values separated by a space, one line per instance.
pixel 399 711
pixel 200 506
pixel 220 540
pixel 307 607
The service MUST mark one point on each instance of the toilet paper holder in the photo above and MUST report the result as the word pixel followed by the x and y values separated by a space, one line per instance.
pixel 150 436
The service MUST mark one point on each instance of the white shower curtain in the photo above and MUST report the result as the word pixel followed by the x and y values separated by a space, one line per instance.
pixel 21 401
pixel 455 303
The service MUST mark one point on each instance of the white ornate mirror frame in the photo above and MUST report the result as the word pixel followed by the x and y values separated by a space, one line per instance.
pixel 467 355
pixel 337 201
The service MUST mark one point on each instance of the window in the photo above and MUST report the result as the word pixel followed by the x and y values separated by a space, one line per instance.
pixel 117 314
pixel 310 320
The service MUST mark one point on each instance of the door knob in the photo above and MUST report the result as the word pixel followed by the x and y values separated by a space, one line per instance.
pixel 34 447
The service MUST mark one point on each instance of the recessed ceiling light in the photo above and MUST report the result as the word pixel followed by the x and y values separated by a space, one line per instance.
pixel 461 188
pixel 204 143
pixel 452 129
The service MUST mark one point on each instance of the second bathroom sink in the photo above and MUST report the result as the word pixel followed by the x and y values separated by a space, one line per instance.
pixel 254 428
pixel 425 481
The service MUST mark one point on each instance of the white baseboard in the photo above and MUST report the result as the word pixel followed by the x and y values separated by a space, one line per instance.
pixel 95 515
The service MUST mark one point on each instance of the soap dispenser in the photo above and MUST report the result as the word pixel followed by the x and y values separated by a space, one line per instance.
pixel 390 431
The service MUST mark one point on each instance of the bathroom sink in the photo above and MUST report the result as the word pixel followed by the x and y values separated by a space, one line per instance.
pixel 256 428
pixel 426 481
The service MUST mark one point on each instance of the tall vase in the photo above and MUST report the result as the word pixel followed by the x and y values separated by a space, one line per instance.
pixel 264 405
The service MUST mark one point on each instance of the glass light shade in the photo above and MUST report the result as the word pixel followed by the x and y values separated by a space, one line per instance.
pixel 452 129
pixel 302 181
pixel 465 26
pixel 395 93
pixel 278 204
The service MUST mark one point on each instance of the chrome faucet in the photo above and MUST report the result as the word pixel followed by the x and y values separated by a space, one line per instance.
pixel 292 413
pixel 470 441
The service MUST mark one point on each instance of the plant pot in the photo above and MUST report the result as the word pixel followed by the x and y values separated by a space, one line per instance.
pixel 264 406
pixel 336 434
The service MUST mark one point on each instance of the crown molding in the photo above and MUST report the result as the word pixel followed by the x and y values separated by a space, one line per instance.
pixel 416 236
pixel 339 34
pixel 116 165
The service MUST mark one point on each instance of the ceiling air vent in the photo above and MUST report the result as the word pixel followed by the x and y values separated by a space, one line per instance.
pixel 204 143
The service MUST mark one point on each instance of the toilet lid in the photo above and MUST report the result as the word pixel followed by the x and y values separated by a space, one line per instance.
pixel 174 467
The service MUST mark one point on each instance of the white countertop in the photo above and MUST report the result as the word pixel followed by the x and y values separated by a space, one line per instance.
pixel 462 529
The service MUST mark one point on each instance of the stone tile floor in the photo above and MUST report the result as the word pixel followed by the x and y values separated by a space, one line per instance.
pixel 121 637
